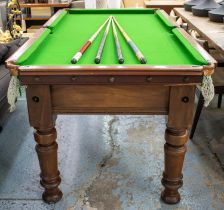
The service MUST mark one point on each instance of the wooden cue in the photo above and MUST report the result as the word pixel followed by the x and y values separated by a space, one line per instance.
pixel 79 54
pixel 133 46
pixel 102 44
pixel 118 46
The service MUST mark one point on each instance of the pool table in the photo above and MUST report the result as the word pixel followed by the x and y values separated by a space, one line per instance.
pixel 163 86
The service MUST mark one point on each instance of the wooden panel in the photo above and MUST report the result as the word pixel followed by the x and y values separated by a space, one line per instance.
pixel 39 106
pixel 110 99
pixel 181 107
pixel 115 80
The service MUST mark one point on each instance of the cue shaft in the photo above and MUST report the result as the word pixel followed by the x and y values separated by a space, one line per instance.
pixel 102 44
pixel 133 46
pixel 79 54
pixel 118 46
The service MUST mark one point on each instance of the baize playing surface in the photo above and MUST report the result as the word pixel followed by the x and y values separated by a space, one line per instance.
pixel 155 36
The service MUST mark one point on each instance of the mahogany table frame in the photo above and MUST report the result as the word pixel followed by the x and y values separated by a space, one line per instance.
pixel 143 89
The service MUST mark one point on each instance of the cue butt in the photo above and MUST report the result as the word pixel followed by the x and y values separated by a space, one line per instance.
pixel 97 60
pixel 76 58
pixel 121 61
pixel 143 60
pixel 74 61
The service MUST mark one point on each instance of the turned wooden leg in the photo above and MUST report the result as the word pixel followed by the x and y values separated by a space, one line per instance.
pixel 47 154
pixel 42 119
pixel 179 121
pixel 175 150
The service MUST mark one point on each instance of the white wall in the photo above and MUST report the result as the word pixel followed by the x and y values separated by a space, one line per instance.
pixel 90 4
pixel 114 4
pixel 93 4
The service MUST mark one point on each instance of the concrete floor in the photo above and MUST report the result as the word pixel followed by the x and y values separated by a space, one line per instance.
pixel 109 163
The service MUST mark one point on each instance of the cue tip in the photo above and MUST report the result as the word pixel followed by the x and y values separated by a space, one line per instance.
pixel 97 60
pixel 74 61
pixel 143 61
pixel 121 61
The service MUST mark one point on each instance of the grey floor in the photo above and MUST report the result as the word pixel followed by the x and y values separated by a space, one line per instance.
pixel 110 162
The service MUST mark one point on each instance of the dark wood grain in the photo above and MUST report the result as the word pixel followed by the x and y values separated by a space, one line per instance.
pixel 110 98
pixel 42 119
pixel 177 117
pixel 176 135
pixel 117 79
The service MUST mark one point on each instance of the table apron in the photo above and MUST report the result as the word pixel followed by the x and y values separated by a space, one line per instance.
pixel 109 99
pixel 49 100
pixel 112 79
